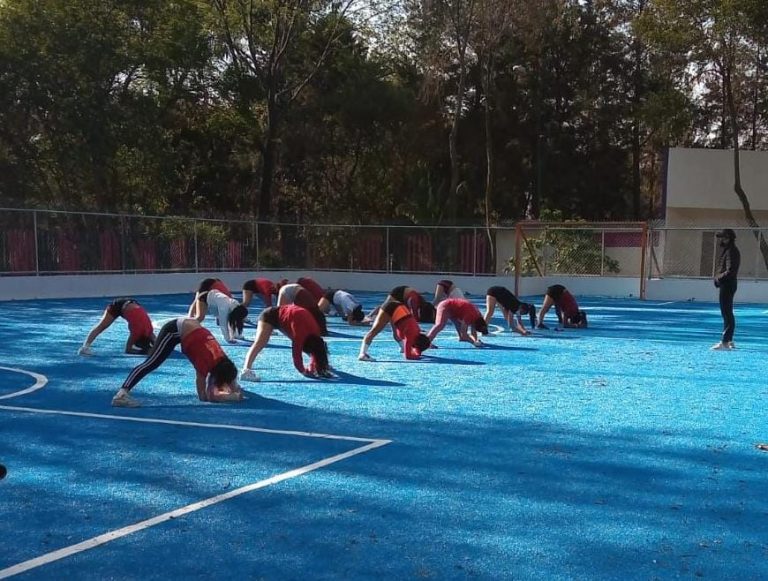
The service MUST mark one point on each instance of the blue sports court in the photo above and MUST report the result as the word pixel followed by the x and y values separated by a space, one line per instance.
pixel 621 451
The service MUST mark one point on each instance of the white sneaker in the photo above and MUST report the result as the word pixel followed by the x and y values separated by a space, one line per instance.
pixel 249 375
pixel 124 401
pixel 85 350
pixel 721 347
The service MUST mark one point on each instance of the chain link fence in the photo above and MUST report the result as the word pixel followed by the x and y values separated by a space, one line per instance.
pixel 693 252
pixel 50 242
pixel 579 249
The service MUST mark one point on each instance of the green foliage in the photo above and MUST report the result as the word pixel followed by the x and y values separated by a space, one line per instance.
pixel 563 249
pixel 181 107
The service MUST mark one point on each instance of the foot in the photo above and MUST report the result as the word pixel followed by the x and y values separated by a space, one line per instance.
pixel 364 357
pixel 721 347
pixel 731 345
pixel 124 400
pixel 249 375
pixel 542 326
pixel 85 350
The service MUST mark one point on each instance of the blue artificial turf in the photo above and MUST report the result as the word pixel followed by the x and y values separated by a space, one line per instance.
pixel 625 450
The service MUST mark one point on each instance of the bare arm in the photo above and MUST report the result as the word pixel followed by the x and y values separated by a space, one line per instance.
pixel 101 326
pixel 200 386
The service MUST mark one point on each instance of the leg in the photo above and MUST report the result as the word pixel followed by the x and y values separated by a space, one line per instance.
pixel 726 309
pixel 247 297
pixel 263 333
pixel 490 308
pixel 106 320
pixel 546 305
pixel 167 339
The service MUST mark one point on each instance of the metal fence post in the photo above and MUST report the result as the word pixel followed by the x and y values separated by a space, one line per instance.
pixel 388 255
pixel 474 251
pixel 757 251
pixel 602 253
pixel 197 268
pixel 37 249
pixel 123 244
pixel 255 229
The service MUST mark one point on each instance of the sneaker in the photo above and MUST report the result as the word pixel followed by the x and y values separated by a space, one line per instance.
pixel 85 351
pixel 731 345
pixel 124 401
pixel 249 375
pixel 721 347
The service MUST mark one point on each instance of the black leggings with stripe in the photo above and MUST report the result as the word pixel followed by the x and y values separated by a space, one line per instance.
pixel 167 339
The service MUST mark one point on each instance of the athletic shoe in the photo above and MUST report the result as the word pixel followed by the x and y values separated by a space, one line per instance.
pixel 124 401
pixel 721 347
pixel 731 345
pixel 85 351
pixel 249 375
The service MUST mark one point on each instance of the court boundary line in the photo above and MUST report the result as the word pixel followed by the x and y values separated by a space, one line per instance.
pixel 40 382
pixel 104 538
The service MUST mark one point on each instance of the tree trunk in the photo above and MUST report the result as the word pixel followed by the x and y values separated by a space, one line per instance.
pixel 268 159
pixel 737 187
pixel 453 139
pixel 490 166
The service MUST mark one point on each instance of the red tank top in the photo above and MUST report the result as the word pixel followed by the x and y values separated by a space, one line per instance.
pixel 139 324
pixel 314 289
pixel 568 305
pixel 298 324
pixel 222 288
pixel 202 350
pixel 462 310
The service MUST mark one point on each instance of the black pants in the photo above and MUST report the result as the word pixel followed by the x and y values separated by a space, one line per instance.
pixel 167 339
pixel 727 291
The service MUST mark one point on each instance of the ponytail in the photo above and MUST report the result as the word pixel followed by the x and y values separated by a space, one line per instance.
pixel 532 314
pixel 236 319
pixel 315 347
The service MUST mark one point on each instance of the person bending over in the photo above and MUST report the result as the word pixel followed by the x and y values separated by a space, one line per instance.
pixel 215 374
pixel 230 315
pixel 295 294
pixel 141 335
pixel 511 309
pixel 445 289
pixel 466 318
pixel 264 288
pixel 422 310
pixel 313 287
pixel 298 324
pixel 205 285
pixel 346 306
pixel 566 307
pixel 405 330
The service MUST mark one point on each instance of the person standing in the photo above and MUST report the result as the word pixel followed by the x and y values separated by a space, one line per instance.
pixel 726 275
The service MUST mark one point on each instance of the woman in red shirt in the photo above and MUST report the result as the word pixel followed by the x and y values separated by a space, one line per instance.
pixel 262 287
pixel 215 374
pixel 464 315
pixel 298 324
pixel 141 335
pixel 405 330
pixel 566 307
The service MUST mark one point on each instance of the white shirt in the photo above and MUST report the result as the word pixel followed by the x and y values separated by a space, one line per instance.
pixel 220 305
pixel 344 302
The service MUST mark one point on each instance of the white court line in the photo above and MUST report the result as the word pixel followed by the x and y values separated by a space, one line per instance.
pixel 145 524
pixel 40 382
pixel 179 512
pixel 234 427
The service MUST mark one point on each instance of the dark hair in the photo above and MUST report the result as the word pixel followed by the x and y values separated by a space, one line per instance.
pixel 532 313
pixel 237 317
pixel 581 319
pixel 223 372
pixel 144 343
pixel 315 347
pixel 321 322
pixel 481 326
pixel 422 343
pixel 357 313
pixel 426 313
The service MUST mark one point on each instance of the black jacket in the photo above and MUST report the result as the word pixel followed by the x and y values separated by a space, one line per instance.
pixel 728 266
